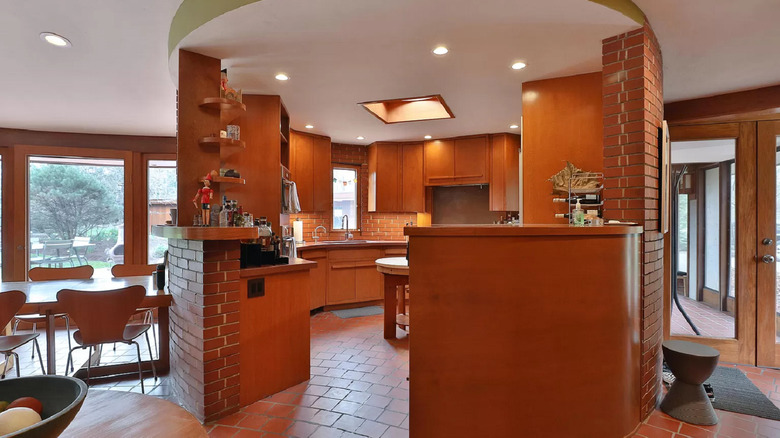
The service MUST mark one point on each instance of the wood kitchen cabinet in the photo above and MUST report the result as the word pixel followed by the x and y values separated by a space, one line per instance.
pixel 319 277
pixel 311 170
pixel 504 172
pixel 395 177
pixel 459 161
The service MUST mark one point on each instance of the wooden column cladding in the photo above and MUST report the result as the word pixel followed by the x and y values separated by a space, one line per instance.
pixel 504 172
pixel 562 121
pixel 198 80
pixel 259 163
pixel 311 170
pixel 395 177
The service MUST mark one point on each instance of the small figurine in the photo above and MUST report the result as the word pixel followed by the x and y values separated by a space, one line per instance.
pixel 206 193
pixel 226 91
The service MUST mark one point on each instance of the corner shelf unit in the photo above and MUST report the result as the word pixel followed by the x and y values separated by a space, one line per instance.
pixel 221 142
pixel 229 109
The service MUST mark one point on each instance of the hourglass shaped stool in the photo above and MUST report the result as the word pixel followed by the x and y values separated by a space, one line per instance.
pixel 692 364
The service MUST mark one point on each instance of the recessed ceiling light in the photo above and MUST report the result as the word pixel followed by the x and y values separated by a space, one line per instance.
pixel 427 137
pixel 282 77
pixel 440 50
pixel 309 126
pixel 360 137
pixel 513 126
pixel 54 39
pixel 519 65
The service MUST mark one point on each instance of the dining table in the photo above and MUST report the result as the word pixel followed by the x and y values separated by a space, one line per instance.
pixel 42 299
pixel 395 273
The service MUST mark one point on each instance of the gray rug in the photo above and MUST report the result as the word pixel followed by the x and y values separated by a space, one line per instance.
pixel 358 311
pixel 736 393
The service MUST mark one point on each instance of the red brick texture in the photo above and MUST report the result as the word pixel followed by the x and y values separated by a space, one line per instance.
pixel 633 111
pixel 374 226
pixel 204 326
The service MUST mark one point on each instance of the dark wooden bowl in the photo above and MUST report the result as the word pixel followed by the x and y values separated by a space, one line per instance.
pixel 61 397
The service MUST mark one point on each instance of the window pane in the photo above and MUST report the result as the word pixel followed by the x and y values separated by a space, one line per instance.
pixel 682 234
pixel 712 229
pixel 345 195
pixel 76 210
pixel 161 182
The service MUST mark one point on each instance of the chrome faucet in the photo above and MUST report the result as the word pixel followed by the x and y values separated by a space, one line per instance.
pixel 314 233
pixel 347 234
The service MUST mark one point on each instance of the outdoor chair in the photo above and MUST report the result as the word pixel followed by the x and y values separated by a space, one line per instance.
pixel 54 252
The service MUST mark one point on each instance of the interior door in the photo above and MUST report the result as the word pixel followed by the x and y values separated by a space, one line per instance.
pixel 768 223
pixel 715 238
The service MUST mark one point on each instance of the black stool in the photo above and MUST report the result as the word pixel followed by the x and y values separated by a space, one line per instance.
pixel 692 364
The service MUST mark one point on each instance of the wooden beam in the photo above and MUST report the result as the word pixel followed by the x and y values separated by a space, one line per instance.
pixel 136 143
pixel 757 104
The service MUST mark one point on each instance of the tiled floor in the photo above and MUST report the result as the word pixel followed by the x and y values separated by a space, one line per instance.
pixel 710 322
pixel 358 388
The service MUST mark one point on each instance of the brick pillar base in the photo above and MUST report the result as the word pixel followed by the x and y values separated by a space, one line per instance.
pixel 204 326
pixel 633 111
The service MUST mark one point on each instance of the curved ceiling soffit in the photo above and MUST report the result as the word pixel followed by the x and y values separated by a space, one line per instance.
pixel 195 13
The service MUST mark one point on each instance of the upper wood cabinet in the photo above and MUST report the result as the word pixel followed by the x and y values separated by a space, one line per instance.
pixel 395 177
pixel 504 172
pixel 457 161
pixel 311 170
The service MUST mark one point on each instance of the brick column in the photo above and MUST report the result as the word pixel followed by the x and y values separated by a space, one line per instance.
pixel 633 111
pixel 204 326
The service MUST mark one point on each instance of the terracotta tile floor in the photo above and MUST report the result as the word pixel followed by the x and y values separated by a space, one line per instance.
pixel 710 322
pixel 358 388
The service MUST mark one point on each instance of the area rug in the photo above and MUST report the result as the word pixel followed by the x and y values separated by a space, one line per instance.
pixel 358 311
pixel 736 393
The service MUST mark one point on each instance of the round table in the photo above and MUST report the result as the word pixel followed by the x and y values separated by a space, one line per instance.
pixel 395 272
pixel 127 414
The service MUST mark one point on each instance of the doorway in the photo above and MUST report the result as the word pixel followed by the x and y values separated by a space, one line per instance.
pixel 724 277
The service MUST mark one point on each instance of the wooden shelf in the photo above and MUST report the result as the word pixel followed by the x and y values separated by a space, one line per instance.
pixel 227 180
pixel 284 139
pixel 229 109
pixel 221 142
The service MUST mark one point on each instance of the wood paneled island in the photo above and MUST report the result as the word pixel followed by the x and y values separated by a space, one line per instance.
pixel 521 327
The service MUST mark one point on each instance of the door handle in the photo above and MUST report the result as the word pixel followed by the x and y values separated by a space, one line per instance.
pixel 768 259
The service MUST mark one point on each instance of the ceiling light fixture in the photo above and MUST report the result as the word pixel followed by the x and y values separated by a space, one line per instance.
pixel 281 77
pixel 309 126
pixel 55 40
pixel 440 50
pixel 519 65
pixel 427 137
pixel 360 137
pixel 513 126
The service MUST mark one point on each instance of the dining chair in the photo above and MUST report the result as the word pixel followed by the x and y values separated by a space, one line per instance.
pixel 10 303
pixel 102 318
pixel 128 270
pixel 50 274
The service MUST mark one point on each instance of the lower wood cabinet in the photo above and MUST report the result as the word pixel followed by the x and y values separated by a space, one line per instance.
pixel 346 276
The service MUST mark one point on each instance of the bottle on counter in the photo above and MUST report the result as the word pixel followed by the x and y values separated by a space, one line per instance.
pixel 223 214
pixel 578 215
pixel 264 230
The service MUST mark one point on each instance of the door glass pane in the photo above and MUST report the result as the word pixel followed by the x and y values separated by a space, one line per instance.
pixel 161 182
pixel 76 211
pixel 345 197
pixel 705 233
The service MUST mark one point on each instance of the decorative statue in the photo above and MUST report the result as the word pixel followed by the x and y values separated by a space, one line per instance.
pixel 226 91
pixel 206 193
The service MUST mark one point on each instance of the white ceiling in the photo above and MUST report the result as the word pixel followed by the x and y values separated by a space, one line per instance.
pixel 715 46
pixel 341 52
pixel 115 78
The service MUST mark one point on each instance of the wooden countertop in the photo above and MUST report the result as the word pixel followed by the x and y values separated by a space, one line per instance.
pixel 520 230
pixel 334 244
pixel 205 233
pixel 294 265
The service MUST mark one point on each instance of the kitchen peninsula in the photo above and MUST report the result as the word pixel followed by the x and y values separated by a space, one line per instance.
pixel 521 326
pixel 237 335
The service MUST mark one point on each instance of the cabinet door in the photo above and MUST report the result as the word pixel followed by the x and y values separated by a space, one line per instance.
pixel 341 282
pixel 322 175
pixel 413 189
pixel 504 172
pixel 439 163
pixel 471 160
pixel 384 177
pixel 368 281
pixel 319 278
pixel 301 162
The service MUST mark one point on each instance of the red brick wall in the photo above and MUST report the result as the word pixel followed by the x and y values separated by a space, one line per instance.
pixel 373 226
pixel 633 111
pixel 204 326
